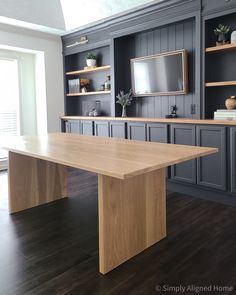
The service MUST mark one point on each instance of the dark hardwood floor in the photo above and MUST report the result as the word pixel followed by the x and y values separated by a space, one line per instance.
pixel 53 249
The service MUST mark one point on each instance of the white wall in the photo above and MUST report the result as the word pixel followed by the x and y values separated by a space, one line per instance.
pixel 52 47
pixel 41 12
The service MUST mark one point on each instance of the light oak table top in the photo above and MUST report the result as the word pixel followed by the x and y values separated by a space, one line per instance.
pixel 119 158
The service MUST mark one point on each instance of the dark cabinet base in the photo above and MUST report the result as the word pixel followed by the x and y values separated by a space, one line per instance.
pixel 212 169
pixel 184 134
pixel 215 172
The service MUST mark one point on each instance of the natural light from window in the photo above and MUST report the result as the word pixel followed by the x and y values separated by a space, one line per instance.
pixel 9 99
pixel 79 13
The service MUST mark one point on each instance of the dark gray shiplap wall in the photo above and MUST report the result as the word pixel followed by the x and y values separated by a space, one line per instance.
pixel 172 37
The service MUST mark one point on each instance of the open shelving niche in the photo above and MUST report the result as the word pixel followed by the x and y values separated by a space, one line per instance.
pixel 83 102
pixel 220 64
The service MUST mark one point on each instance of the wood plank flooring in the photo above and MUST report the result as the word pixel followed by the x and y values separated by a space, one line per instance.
pixel 53 249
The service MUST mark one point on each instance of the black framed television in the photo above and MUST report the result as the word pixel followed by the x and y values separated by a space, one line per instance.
pixel 160 74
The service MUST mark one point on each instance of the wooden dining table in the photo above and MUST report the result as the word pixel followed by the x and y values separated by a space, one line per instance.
pixel 131 184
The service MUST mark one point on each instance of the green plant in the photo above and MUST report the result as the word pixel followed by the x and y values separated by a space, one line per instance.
pixel 90 56
pixel 124 99
pixel 221 30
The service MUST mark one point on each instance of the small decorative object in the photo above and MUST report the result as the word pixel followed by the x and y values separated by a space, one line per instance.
pixel 233 37
pixel 91 113
pixel 173 113
pixel 107 83
pixel 221 32
pixel 83 89
pixel 98 108
pixel 124 99
pixel 230 102
pixel 102 87
pixel 91 60
pixel 95 113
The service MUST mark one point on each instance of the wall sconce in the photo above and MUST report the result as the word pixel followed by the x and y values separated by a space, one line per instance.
pixel 82 40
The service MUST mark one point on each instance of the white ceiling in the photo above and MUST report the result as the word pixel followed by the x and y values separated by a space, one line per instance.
pixel 62 16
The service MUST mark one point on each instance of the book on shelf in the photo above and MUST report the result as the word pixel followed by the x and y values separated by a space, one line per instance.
pixel 225 115
pixel 225 118
pixel 74 85
pixel 226 111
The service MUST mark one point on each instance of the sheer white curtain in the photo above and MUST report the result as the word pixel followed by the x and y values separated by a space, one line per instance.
pixel 9 100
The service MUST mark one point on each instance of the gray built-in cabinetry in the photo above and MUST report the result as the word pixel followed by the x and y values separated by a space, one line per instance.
pixel 137 131
pixel 72 126
pixel 154 132
pixel 216 172
pixel 101 128
pixel 184 134
pixel 157 132
pixel 218 64
pixel 212 169
pixel 117 129
pixel 216 6
pixel 160 27
pixel 79 103
pixel 86 127
pixel 163 26
pixel 233 159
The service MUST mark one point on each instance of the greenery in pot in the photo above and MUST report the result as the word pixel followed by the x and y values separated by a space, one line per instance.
pixel 221 32
pixel 91 59
pixel 90 55
pixel 124 99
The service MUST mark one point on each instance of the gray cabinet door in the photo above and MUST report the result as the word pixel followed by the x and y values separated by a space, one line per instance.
pixel 184 134
pixel 157 132
pixel 101 128
pixel 137 131
pixel 73 126
pixel 86 127
pixel 118 129
pixel 211 170
pixel 233 159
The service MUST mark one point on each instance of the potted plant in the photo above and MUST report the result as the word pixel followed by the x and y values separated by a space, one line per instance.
pixel 124 99
pixel 221 32
pixel 91 59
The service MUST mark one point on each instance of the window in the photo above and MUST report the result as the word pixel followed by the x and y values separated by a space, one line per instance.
pixel 9 100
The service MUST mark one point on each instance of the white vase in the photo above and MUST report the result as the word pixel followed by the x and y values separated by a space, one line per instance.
pixel 233 37
pixel 91 62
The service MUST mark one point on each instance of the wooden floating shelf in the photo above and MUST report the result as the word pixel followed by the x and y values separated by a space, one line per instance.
pixel 225 83
pixel 221 47
pixel 89 93
pixel 92 70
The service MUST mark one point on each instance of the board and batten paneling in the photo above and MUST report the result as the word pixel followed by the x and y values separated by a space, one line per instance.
pixel 169 38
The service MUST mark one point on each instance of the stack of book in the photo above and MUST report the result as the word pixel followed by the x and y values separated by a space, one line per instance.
pixel 225 115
